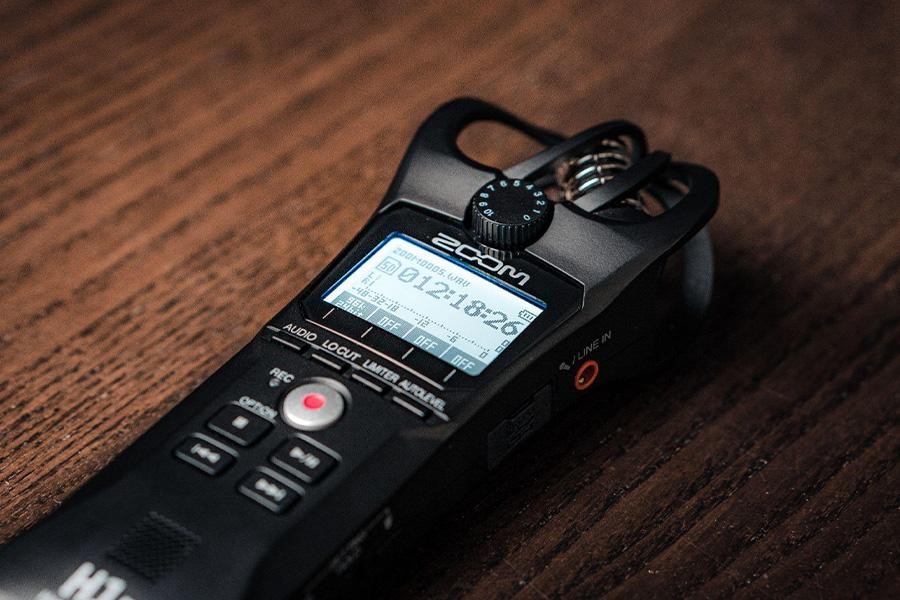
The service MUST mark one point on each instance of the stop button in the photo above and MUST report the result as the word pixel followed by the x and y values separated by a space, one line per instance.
pixel 314 405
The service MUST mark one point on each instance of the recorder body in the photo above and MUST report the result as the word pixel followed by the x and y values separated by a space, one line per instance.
pixel 467 311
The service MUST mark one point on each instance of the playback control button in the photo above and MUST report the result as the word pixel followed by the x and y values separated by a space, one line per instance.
pixel 204 455
pixel 303 460
pixel 315 404
pixel 239 425
pixel 268 490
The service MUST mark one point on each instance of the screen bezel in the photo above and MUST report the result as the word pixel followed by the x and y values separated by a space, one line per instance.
pixel 561 295
pixel 494 282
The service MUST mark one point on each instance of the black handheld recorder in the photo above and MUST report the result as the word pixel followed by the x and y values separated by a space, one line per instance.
pixel 475 304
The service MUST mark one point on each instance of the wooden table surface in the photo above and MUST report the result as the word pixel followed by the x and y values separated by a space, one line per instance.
pixel 172 173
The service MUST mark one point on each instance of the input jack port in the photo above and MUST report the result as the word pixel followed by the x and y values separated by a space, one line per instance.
pixel 586 375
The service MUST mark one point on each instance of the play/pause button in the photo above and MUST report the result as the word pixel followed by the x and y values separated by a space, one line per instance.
pixel 303 460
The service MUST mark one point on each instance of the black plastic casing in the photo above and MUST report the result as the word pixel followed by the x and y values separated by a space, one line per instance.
pixel 397 471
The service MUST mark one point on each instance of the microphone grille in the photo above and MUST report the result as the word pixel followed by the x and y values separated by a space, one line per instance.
pixel 154 546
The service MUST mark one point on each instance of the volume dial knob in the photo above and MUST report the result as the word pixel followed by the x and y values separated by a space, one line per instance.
pixel 510 214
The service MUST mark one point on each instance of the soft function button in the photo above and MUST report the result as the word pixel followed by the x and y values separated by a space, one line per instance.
pixel 210 458
pixel 315 404
pixel 269 490
pixel 328 361
pixel 304 460
pixel 288 342
pixel 368 382
pixel 239 425
pixel 410 406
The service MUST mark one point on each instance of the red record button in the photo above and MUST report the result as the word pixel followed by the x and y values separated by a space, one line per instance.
pixel 313 401
pixel 315 404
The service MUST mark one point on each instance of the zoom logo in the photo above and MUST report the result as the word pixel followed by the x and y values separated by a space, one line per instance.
pixel 476 256
pixel 88 583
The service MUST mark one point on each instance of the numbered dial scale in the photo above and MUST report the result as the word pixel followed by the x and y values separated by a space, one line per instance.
pixel 509 214
pixel 464 314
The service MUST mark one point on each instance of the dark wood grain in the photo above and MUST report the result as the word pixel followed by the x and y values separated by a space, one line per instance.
pixel 171 173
